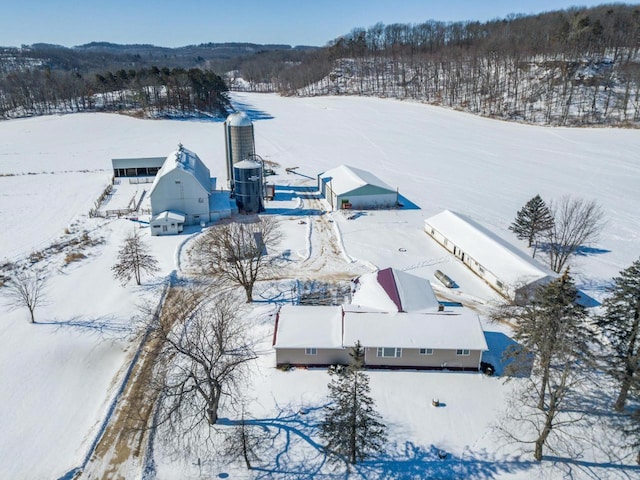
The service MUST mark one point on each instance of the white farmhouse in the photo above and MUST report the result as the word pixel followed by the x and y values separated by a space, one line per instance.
pixel 396 318
pixel 183 193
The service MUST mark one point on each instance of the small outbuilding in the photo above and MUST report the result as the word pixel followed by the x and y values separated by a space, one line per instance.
pixel 346 187
pixel 167 223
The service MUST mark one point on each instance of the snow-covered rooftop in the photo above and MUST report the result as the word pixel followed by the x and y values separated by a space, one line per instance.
pixel 505 261
pixel 302 326
pixel 444 330
pixel 345 179
pixel 188 161
pixel 169 215
pixel 246 164
pixel 392 290
pixel 141 162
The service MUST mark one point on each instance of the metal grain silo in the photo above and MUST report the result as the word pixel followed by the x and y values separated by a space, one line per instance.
pixel 239 141
pixel 248 186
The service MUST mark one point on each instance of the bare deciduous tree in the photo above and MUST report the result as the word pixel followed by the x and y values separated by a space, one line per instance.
pixel 576 223
pixel 245 440
pixel 26 290
pixel 204 354
pixel 134 258
pixel 236 253
pixel 553 352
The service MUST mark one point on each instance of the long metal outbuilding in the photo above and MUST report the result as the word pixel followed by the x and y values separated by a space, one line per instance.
pixel 137 167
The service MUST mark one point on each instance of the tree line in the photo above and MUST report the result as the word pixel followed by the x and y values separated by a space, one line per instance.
pixel 575 66
pixel 153 91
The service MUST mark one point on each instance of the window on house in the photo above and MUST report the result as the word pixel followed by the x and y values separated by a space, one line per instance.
pixel 310 351
pixel 426 351
pixel 463 351
pixel 480 269
pixel 446 242
pixel 389 352
pixel 177 181
pixel 499 284
pixel 433 232
pixel 200 200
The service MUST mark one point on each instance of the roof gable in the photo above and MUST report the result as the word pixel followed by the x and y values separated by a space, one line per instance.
pixel 186 161
pixel 345 179
pixel 391 290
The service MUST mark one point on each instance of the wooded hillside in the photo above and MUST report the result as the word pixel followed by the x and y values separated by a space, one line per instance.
pixel 571 67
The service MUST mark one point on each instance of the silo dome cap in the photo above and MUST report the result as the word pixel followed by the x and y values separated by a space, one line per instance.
pixel 244 164
pixel 239 119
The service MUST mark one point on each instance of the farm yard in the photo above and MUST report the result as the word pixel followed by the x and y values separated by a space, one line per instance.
pixel 62 376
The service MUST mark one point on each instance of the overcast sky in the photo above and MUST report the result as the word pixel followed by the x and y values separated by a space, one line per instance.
pixel 185 22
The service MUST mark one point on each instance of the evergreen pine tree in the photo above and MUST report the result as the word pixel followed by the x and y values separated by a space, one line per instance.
pixel 620 323
pixel 351 427
pixel 532 220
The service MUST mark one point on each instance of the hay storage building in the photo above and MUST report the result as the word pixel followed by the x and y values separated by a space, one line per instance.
pixel 346 187
pixel 137 167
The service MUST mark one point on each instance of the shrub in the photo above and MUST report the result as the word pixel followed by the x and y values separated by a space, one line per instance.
pixel 74 257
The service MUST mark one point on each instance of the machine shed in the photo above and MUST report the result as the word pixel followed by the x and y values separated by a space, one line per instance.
pixel 137 167
pixel 346 187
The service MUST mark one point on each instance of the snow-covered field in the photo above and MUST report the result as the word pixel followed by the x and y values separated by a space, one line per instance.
pixel 59 377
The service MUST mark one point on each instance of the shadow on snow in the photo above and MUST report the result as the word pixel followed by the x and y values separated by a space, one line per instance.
pixel 99 325
pixel 294 431
pixel 499 344
pixel 252 112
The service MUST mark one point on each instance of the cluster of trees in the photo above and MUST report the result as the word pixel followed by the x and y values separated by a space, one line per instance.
pixel 154 91
pixel 205 349
pixel 577 66
pixel 560 351
pixel 561 228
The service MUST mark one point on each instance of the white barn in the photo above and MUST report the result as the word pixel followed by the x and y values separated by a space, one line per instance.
pixel 347 187
pixel 183 186
pixel 505 268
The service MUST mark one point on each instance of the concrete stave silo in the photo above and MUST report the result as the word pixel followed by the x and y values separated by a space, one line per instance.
pixel 239 142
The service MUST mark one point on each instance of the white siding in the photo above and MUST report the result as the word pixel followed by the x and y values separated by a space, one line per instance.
pixel 180 191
